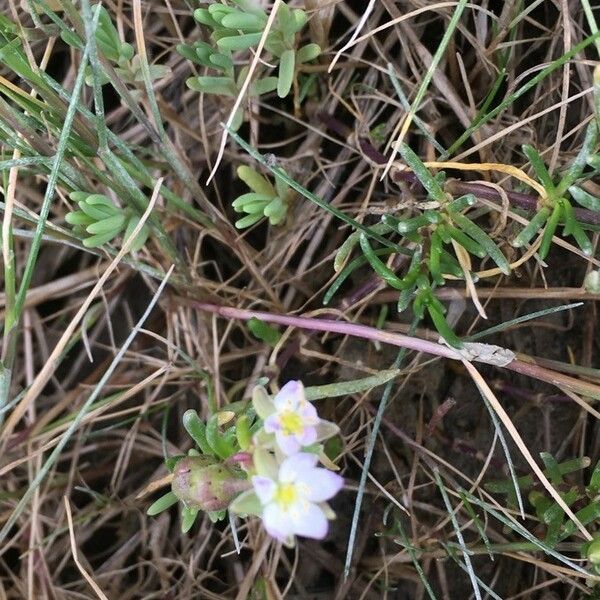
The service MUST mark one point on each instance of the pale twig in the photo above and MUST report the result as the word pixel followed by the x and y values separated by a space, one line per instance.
pixel 85 574
pixel 354 39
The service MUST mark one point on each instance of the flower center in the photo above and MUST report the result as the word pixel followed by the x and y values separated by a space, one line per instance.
pixel 291 423
pixel 286 495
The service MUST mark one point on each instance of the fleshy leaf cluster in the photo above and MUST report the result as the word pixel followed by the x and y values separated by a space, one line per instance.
pixel 99 220
pixel 265 199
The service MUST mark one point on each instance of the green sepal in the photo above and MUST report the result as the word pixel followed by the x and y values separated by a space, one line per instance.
pixel 196 429
pixel 217 440
pixel 163 503
pixel 188 517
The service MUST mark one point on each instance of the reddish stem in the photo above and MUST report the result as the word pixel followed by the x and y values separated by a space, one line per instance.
pixel 521 365
pixel 524 201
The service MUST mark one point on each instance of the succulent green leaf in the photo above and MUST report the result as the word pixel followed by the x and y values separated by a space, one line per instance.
pixel 550 229
pixel 575 171
pixel 248 220
pixel 239 42
pixel 196 428
pixel 435 253
pixel 263 86
pixel 461 203
pixel 189 52
pixel 541 172
pixel 470 245
pixel 286 73
pixel 242 432
pixel 222 86
pixel 378 266
pixel 97 213
pixel 222 61
pixel 423 175
pixel 442 326
pixel 484 240
pixel 114 224
pixel 216 439
pixel 203 16
pixel 142 236
pixel 95 241
pixel 78 217
pixel 584 198
pixel 582 239
pixel 536 223
pixel 275 210
pixel 244 21
pixel 241 202
pixel 255 181
pixel 308 53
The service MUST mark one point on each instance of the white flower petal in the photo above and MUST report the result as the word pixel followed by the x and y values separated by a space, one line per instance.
pixel 310 522
pixel 290 395
pixel 308 414
pixel 264 488
pixel 272 423
pixel 277 522
pixel 299 465
pixel 307 437
pixel 320 484
pixel 288 443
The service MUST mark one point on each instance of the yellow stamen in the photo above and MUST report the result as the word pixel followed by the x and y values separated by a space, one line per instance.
pixel 286 495
pixel 291 423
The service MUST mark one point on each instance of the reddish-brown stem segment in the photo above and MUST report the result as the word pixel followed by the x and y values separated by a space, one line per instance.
pixel 524 201
pixel 519 365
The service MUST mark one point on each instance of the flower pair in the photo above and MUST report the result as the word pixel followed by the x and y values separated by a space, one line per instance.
pixel 289 492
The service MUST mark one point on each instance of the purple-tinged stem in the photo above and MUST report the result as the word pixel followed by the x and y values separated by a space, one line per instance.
pixel 330 326
pixel 524 201
pixel 521 365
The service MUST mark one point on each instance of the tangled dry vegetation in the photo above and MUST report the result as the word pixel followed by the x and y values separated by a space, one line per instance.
pixel 93 387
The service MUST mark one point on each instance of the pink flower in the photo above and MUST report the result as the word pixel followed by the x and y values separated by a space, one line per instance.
pixel 294 421
pixel 294 504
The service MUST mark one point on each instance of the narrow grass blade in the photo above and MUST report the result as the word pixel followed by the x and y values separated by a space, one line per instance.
pixel 459 535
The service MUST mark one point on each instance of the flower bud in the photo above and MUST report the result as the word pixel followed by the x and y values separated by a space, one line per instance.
pixel 593 552
pixel 592 282
pixel 204 483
